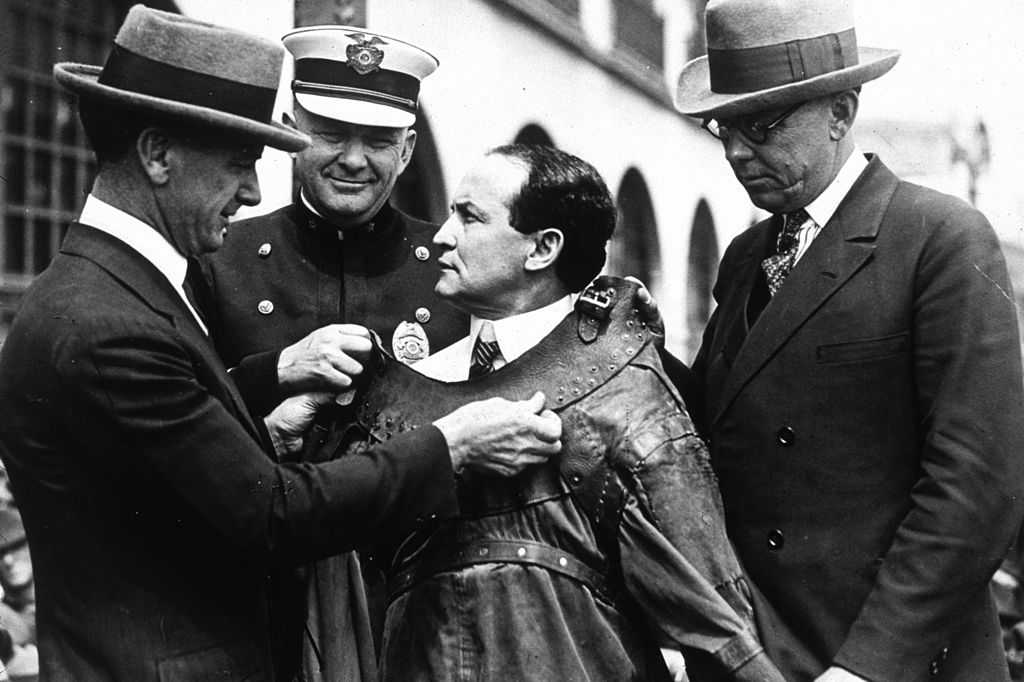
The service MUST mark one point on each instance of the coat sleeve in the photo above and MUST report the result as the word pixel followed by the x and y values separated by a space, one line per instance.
pixel 966 504
pixel 139 395
pixel 676 561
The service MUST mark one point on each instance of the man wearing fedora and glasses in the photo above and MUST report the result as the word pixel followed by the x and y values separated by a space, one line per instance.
pixel 155 505
pixel 861 376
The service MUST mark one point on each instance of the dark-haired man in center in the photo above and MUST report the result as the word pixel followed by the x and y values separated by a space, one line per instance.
pixel 579 569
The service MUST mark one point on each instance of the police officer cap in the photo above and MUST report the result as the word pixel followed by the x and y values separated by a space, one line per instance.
pixel 350 74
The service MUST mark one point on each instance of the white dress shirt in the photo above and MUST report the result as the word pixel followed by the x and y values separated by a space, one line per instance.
pixel 824 206
pixel 144 239
pixel 515 335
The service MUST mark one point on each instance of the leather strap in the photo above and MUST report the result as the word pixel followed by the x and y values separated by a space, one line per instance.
pixel 486 551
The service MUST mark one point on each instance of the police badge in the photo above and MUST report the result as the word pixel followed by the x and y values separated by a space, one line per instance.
pixel 363 57
pixel 409 343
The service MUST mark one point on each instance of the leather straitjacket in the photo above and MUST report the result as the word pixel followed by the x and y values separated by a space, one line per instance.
pixel 561 537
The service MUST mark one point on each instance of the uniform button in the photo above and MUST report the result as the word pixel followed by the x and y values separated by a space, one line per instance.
pixel 944 653
pixel 264 250
pixel 265 307
pixel 422 315
pixel 776 540
pixel 785 436
pixel 422 253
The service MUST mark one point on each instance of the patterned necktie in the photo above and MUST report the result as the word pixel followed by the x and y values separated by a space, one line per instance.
pixel 485 351
pixel 777 267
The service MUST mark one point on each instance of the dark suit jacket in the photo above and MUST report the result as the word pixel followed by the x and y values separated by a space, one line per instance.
pixel 153 512
pixel 866 431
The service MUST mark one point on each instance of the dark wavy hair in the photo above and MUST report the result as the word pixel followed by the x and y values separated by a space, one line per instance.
pixel 565 192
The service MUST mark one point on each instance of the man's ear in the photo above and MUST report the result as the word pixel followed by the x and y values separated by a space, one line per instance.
pixel 547 246
pixel 408 146
pixel 843 113
pixel 153 147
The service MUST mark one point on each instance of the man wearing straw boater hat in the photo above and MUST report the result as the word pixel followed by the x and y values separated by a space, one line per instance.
pixel 155 506
pixel 861 375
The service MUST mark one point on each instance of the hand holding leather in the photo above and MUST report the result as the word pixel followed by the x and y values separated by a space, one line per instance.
pixel 501 436
pixel 327 359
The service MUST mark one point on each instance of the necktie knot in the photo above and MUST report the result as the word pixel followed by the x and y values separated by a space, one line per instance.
pixel 777 266
pixel 485 351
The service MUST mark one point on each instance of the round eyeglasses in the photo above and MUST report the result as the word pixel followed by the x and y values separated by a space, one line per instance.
pixel 755 130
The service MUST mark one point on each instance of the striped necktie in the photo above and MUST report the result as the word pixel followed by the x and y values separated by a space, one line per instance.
pixel 485 352
pixel 776 267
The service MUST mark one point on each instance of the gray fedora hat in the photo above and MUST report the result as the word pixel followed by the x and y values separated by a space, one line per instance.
pixel 765 54
pixel 192 71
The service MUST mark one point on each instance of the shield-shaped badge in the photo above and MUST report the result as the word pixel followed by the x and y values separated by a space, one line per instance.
pixel 409 343
pixel 364 57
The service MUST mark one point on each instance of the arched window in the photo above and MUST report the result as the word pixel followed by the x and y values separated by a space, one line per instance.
pixel 634 247
pixel 703 266
pixel 532 133
pixel 420 189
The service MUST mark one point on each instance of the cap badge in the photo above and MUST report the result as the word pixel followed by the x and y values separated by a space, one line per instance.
pixel 364 57
pixel 409 342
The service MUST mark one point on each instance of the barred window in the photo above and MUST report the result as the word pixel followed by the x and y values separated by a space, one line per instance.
pixel 47 167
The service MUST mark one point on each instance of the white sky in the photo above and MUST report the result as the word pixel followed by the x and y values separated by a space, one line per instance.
pixel 961 59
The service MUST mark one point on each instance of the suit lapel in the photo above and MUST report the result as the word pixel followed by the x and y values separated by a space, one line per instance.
pixel 845 244
pixel 138 275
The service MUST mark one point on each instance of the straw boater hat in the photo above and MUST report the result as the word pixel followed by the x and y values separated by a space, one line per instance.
pixel 190 71
pixel 766 54
pixel 350 74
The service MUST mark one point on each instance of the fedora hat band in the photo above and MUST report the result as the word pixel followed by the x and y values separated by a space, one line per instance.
pixel 329 78
pixel 760 68
pixel 127 70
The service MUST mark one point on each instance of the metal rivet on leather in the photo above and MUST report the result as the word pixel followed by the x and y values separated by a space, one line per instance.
pixel 484 551
pixel 629 323
pixel 575 478
pixel 592 382
pixel 575 391
pixel 422 253
pixel 422 315
pixel 611 368
pixel 388 422
pixel 615 354
pixel 521 552
pixel 630 350
pixel 639 337
pixel 264 250
pixel 563 562
pixel 265 307
pixel 560 398
pixel 594 369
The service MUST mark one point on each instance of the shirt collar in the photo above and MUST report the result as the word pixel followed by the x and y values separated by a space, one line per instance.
pixel 137 234
pixel 824 206
pixel 519 333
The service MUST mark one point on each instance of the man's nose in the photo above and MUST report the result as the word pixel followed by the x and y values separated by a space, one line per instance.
pixel 249 189
pixel 737 148
pixel 445 236
pixel 352 155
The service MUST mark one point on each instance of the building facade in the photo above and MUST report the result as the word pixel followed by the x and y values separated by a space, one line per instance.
pixel 594 77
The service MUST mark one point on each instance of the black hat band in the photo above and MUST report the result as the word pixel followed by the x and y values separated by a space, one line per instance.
pixel 334 79
pixel 127 70
pixel 752 69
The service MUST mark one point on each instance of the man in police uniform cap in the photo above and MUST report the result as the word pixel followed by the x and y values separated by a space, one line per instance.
pixel 285 285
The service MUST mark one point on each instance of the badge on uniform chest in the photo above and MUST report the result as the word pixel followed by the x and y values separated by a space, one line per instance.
pixel 409 343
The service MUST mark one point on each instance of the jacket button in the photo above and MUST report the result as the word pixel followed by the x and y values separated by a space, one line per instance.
pixel 422 315
pixel 422 253
pixel 264 250
pixel 785 436
pixel 265 307
pixel 776 540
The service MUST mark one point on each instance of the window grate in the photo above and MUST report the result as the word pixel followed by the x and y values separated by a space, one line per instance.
pixel 45 164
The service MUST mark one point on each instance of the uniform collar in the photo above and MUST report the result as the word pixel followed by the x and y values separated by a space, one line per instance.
pixel 379 227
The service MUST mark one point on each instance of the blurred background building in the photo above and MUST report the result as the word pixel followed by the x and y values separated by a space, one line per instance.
pixel 594 77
